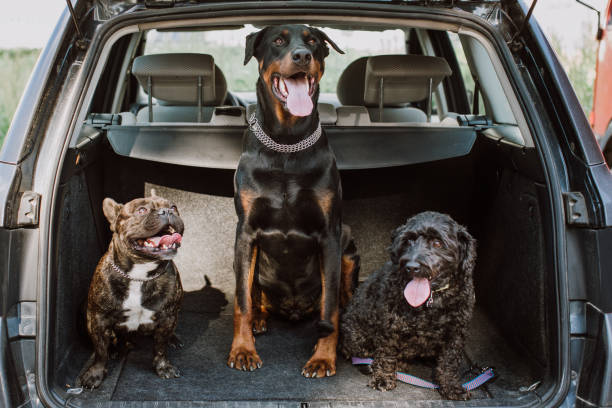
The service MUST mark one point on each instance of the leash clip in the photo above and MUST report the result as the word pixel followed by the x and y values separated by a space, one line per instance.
pixel 430 300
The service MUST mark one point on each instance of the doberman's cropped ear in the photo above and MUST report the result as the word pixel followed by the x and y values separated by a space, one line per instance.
pixel 111 211
pixel 324 38
pixel 252 42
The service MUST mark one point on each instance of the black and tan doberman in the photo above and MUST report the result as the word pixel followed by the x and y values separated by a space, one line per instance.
pixel 293 255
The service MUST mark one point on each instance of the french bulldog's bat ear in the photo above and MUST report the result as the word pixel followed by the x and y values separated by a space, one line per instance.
pixel 252 42
pixel 324 38
pixel 111 210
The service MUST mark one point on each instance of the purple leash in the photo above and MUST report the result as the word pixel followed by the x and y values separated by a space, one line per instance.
pixel 486 375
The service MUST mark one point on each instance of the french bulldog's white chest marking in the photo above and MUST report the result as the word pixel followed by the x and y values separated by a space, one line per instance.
pixel 132 305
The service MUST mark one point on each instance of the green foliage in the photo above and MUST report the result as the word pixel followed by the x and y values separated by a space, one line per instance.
pixel 15 68
pixel 580 65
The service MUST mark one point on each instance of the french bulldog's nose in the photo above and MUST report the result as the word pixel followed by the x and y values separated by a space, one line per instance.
pixel 301 56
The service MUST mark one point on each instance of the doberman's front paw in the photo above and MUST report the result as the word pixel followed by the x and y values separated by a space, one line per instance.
pixel 319 367
pixel 244 359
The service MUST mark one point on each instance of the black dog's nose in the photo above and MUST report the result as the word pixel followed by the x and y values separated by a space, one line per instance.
pixel 301 56
pixel 413 267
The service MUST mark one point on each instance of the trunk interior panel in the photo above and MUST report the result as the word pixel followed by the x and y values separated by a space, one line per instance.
pixel 501 204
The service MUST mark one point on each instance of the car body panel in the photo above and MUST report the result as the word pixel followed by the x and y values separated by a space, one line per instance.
pixel 562 135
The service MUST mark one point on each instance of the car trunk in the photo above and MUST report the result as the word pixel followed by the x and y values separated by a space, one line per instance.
pixel 497 191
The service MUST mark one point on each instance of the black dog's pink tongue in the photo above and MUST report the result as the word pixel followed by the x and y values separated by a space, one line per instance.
pixel 299 102
pixel 417 291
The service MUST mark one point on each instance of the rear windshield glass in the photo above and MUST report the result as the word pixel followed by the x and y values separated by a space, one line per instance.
pixel 227 48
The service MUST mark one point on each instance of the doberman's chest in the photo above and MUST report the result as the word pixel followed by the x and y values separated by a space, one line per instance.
pixel 274 200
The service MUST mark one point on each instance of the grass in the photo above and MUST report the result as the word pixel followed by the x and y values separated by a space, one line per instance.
pixel 15 68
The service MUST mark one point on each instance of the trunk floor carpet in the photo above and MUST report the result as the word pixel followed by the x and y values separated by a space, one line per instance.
pixel 206 326
pixel 207 335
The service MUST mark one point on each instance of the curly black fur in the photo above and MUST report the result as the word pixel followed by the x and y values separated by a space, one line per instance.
pixel 379 323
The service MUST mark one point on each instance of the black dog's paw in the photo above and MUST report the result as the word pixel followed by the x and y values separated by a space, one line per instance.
pixel 454 392
pixel 166 370
pixel 92 378
pixel 383 382
pixel 365 369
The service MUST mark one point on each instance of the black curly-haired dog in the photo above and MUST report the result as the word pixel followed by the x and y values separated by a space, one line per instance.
pixel 417 305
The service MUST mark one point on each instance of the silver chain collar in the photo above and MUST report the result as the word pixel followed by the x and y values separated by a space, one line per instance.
pixel 125 275
pixel 282 148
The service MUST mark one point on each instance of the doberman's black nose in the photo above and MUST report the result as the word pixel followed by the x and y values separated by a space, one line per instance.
pixel 301 56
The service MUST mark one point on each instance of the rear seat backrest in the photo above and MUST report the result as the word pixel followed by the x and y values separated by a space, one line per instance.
pixel 405 79
pixel 174 83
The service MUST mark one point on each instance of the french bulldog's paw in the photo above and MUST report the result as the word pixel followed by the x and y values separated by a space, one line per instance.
pixel 319 368
pixel 175 342
pixel 383 382
pixel 259 326
pixel 454 392
pixel 244 359
pixel 92 378
pixel 166 370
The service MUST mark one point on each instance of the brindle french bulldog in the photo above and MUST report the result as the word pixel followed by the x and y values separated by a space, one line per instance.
pixel 136 286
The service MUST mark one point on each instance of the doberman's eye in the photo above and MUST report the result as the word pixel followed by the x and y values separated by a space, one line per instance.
pixel 436 243
pixel 279 41
pixel 312 41
pixel 143 210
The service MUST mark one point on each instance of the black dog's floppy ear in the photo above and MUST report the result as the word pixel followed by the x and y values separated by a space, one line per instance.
pixel 396 244
pixel 467 251
pixel 111 211
pixel 252 42
pixel 324 38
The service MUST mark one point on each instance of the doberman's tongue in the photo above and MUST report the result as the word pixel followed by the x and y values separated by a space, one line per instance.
pixel 299 102
pixel 417 291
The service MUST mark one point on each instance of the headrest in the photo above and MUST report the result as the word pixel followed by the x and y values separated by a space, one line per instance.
pixel 174 78
pixel 351 83
pixel 405 78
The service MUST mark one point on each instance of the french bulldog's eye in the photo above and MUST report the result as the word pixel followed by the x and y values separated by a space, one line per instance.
pixel 174 209
pixel 436 243
pixel 279 41
pixel 143 210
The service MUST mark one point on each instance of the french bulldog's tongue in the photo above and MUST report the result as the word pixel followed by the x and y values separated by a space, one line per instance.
pixel 168 240
pixel 417 291
pixel 299 102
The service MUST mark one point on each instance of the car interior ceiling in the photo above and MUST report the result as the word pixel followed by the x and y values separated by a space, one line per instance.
pixel 483 175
